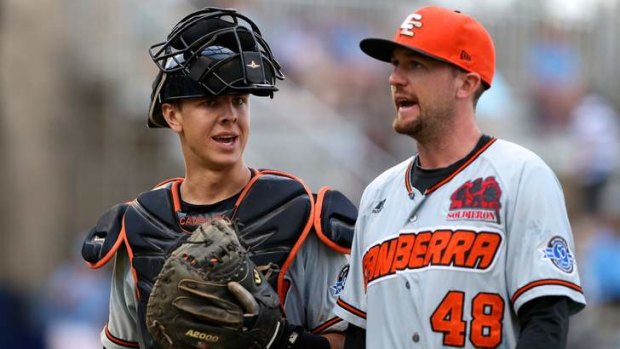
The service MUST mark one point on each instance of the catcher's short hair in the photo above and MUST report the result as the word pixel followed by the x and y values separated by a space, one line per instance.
pixel 211 52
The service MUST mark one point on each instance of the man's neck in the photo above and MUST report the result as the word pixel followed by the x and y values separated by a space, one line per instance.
pixel 203 187
pixel 440 152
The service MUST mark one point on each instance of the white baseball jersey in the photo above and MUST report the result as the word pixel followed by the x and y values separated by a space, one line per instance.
pixel 316 279
pixel 451 267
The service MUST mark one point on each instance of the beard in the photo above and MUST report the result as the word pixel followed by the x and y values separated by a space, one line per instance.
pixel 411 128
pixel 429 123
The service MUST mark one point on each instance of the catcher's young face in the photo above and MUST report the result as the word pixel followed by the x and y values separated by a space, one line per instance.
pixel 423 92
pixel 214 130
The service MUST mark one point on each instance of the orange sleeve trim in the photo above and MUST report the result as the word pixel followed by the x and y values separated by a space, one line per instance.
pixel 351 309
pixel 304 234
pixel 467 163
pixel 119 341
pixel 545 282
pixel 317 223
pixel 327 324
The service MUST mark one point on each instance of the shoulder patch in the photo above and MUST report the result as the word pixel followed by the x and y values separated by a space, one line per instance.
pixel 337 288
pixel 558 252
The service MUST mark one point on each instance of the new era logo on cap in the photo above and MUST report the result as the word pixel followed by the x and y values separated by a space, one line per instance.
pixel 465 56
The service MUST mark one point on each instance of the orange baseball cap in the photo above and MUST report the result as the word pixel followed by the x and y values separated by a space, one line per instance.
pixel 442 34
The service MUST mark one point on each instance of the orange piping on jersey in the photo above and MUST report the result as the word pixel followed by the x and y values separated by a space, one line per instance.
pixel 317 223
pixel 302 237
pixel 408 185
pixel 544 282
pixel 327 324
pixel 351 309
pixel 467 163
pixel 119 239
pixel 119 341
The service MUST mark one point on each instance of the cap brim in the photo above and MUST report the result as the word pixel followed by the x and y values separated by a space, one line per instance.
pixel 382 49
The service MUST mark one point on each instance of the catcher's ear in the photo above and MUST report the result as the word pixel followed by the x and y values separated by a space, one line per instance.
pixel 172 115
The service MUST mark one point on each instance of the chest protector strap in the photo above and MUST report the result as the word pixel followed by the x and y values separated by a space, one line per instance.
pixel 274 217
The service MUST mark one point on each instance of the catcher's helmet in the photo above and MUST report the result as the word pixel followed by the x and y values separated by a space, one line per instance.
pixel 211 52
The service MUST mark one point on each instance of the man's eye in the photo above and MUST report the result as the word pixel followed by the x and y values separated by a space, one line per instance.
pixel 239 100
pixel 209 102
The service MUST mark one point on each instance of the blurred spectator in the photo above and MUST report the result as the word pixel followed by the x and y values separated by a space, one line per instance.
pixel 602 251
pixel 555 65
pixel 500 111
pixel 599 326
pixel 74 305
pixel 594 133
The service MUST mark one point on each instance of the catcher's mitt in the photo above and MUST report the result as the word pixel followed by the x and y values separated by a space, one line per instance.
pixel 209 294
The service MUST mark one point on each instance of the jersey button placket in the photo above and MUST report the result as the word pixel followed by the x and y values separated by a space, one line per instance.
pixel 413 216
pixel 416 337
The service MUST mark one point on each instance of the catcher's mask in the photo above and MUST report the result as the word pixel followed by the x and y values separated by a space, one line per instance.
pixel 211 52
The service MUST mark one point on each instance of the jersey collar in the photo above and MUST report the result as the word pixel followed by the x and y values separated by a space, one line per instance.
pixel 468 160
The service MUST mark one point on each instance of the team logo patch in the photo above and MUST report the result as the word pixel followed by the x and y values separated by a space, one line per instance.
pixel 342 279
pixel 477 200
pixel 559 254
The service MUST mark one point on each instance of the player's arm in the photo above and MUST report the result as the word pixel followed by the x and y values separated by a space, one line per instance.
pixel 323 253
pixel 311 304
pixel 102 244
pixel 121 330
pixel 544 323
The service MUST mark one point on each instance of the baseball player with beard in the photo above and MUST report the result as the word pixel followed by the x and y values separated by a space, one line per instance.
pixel 209 65
pixel 466 244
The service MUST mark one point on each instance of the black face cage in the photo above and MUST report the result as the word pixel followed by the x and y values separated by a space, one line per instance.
pixel 212 52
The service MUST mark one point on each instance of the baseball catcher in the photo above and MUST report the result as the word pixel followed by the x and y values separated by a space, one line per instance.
pixel 178 283
pixel 209 294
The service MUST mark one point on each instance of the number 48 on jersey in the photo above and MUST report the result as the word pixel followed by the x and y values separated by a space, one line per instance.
pixel 487 313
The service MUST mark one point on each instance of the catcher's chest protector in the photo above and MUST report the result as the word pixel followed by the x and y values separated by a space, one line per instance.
pixel 272 215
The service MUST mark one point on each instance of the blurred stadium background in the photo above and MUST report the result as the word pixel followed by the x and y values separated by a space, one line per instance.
pixel 74 88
